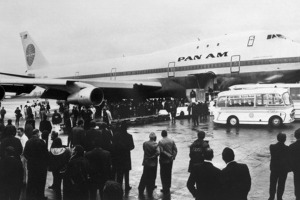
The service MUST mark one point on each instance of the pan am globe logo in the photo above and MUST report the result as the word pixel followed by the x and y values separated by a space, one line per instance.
pixel 30 53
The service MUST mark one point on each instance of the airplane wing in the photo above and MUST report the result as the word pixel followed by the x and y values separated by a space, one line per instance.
pixel 79 91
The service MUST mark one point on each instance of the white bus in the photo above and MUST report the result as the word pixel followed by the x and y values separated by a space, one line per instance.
pixel 254 106
pixel 293 89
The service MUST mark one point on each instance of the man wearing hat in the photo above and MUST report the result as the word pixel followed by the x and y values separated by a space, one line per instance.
pixel 151 152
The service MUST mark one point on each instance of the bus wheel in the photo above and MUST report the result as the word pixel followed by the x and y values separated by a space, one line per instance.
pixel 275 121
pixel 233 121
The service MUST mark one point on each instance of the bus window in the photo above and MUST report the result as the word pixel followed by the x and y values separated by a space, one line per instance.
pixel 295 93
pixel 249 102
pixel 239 103
pixel 275 100
pixel 221 102
pixel 229 103
pixel 261 99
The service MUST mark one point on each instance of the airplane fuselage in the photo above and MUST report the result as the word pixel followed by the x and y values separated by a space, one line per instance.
pixel 230 59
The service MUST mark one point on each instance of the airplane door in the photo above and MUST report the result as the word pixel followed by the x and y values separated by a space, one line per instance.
pixel 251 41
pixel 235 64
pixel 113 73
pixel 171 69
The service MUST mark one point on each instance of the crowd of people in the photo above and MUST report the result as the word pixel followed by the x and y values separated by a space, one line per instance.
pixel 97 161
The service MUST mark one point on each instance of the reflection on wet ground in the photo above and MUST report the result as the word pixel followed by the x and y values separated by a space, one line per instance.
pixel 250 144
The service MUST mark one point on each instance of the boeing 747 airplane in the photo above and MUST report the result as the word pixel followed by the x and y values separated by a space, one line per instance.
pixel 252 57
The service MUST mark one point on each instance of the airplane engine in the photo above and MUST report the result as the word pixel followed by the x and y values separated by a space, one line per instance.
pixel 2 93
pixel 87 96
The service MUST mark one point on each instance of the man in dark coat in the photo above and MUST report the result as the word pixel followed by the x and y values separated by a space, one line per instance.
pixel 195 114
pixel 29 126
pixel 123 143
pixel 193 95
pixel 11 140
pixel 75 184
pixel 45 128
pixel 9 129
pixel 107 137
pixel 45 125
pixel 68 125
pixel 37 156
pixel 235 178
pixel 56 118
pixel 279 166
pixel 78 134
pixel 91 135
pixel 151 153
pixel 197 149
pixel 100 164
pixel 11 175
pixel 18 115
pixel 2 113
pixel 74 114
pixel 206 177
pixel 87 118
pixel 294 155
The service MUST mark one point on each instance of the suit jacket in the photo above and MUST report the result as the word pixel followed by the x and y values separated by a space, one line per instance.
pixel 151 152
pixel 123 144
pixel 11 173
pixel 279 157
pixel 45 125
pixel 107 138
pixel 90 138
pixel 100 162
pixel 77 136
pixel 14 142
pixel 168 150
pixel 294 155
pixel 236 181
pixel 36 153
pixel 207 180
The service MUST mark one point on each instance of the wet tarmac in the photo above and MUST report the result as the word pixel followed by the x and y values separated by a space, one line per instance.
pixel 250 144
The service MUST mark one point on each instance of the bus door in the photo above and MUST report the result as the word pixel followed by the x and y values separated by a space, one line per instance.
pixel 171 69
pixel 235 64
pixel 295 94
pixel 250 113
pixel 261 107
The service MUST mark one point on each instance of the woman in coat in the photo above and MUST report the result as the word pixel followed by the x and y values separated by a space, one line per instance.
pixel 59 157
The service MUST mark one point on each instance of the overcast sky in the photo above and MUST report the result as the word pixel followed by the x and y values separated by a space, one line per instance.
pixel 72 31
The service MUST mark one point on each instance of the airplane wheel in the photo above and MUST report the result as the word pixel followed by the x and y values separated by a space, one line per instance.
pixel 276 121
pixel 233 121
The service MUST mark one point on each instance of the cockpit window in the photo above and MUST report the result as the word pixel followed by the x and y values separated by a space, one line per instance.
pixel 271 36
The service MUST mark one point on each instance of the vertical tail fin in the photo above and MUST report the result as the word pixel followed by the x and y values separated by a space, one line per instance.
pixel 33 55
